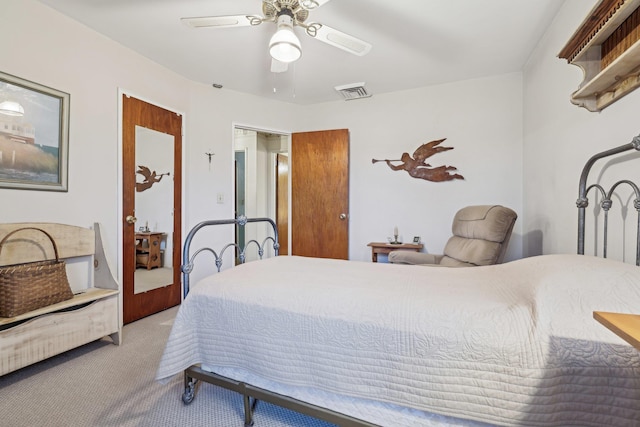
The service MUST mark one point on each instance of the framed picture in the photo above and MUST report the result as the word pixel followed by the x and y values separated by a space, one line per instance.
pixel 34 135
pixel 416 240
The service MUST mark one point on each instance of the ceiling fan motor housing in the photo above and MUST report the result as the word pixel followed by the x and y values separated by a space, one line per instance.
pixel 274 8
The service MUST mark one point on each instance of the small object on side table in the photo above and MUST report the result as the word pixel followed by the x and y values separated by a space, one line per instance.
pixel 384 248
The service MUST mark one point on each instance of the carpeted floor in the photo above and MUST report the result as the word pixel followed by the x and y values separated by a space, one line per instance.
pixel 101 384
pixel 146 280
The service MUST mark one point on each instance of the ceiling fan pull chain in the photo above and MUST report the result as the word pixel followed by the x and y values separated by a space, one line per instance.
pixel 294 81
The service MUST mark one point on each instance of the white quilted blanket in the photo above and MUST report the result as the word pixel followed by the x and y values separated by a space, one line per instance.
pixel 512 344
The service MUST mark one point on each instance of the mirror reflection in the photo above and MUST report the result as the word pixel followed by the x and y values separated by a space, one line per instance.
pixel 153 209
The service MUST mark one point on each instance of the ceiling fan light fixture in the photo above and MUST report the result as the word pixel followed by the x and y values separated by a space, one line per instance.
pixel 284 45
pixel 11 108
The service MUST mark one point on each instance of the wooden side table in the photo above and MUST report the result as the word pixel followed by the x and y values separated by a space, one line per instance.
pixel 149 249
pixel 384 248
pixel 626 326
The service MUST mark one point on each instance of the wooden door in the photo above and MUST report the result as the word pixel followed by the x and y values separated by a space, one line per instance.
pixel 282 202
pixel 139 116
pixel 320 194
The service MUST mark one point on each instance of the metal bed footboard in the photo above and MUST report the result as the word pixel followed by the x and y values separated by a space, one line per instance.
pixel 250 394
pixel 607 201
pixel 241 221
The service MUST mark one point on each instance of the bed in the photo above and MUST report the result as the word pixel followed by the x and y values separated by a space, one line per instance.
pixel 508 344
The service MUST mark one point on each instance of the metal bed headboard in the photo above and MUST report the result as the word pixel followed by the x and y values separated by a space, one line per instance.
pixel 241 221
pixel 606 202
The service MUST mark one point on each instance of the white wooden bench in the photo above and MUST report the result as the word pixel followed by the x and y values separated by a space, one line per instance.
pixel 93 312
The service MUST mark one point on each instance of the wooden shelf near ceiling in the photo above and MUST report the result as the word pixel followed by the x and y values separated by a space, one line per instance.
pixel 607 48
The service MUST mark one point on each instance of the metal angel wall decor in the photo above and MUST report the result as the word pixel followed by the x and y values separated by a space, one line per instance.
pixel 417 168
pixel 150 178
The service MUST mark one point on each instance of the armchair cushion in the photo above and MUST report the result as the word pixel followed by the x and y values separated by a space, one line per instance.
pixel 461 250
pixel 486 222
pixel 414 258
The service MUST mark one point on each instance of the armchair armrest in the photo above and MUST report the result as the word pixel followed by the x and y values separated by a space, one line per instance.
pixel 415 258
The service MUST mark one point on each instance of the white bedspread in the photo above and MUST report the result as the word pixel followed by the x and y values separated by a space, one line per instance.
pixel 511 344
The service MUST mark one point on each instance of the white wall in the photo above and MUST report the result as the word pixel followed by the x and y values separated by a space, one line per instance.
pixel 56 51
pixel 560 137
pixel 481 119
pixel 210 125
pixel 493 123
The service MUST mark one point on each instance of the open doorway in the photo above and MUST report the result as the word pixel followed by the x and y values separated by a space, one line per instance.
pixel 262 183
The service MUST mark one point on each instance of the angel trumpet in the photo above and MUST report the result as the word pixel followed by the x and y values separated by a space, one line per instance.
pixel 385 160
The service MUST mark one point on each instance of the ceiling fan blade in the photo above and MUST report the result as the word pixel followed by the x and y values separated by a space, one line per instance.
pixel 278 67
pixel 338 39
pixel 222 21
pixel 312 4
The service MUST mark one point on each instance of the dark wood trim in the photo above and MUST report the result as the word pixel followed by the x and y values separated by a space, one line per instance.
pixel 589 28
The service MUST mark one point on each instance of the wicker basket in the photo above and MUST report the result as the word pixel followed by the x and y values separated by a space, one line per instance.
pixel 29 286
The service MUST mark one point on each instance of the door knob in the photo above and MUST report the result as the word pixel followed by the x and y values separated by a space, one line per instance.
pixel 131 219
pixel 343 216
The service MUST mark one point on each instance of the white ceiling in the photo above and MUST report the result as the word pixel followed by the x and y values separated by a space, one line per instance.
pixel 415 42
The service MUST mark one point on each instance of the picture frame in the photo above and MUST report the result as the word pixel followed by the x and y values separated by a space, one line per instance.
pixel 34 135
pixel 416 240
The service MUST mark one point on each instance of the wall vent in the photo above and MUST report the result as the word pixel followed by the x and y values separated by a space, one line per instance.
pixel 353 91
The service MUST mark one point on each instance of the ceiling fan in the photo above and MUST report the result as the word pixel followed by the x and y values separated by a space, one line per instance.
pixel 284 46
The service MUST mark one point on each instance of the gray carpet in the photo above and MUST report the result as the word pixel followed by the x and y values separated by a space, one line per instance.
pixel 101 384
pixel 146 280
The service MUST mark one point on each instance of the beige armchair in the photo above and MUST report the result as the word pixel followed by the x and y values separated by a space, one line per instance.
pixel 480 237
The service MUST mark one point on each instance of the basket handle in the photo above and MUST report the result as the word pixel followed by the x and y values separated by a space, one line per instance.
pixel 53 242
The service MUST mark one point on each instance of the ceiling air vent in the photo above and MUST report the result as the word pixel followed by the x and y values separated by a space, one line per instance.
pixel 353 91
